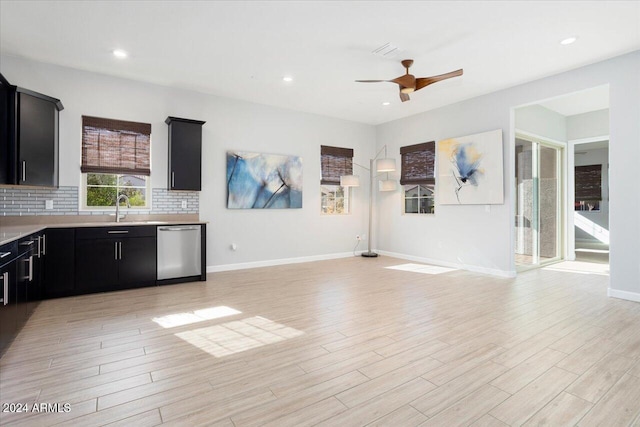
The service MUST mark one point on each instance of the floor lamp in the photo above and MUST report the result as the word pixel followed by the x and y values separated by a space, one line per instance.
pixel 382 165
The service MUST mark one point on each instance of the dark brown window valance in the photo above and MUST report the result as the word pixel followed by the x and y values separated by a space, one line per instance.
pixel 418 164
pixel 115 146
pixel 588 183
pixel 335 162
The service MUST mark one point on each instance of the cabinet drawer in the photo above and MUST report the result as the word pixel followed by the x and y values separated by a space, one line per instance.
pixel 8 253
pixel 116 232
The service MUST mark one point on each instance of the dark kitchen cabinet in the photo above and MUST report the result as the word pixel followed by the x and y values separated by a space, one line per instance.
pixel 8 308
pixel 185 154
pixel 113 258
pixel 58 256
pixel 29 137
pixel 26 276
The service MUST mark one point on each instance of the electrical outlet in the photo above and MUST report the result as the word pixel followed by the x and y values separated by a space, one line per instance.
pixel 184 204
pixel 48 204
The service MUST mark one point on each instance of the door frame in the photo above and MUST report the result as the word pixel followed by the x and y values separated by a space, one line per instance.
pixel 561 171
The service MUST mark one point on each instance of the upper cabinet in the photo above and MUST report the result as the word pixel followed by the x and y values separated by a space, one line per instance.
pixel 29 137
pixel 185 154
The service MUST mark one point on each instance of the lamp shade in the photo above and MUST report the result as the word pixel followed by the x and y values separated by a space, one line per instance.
pixel 386 185
pixel 386 165
pixel 350 181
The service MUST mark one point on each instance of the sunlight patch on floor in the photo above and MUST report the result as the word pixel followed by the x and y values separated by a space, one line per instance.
pixel 421 268
pixel 580 267
pixel 238 336
pixel 593 251
pixel 181 319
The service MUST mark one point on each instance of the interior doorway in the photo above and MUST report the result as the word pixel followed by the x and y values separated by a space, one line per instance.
pixel 539 202
pixel 591 201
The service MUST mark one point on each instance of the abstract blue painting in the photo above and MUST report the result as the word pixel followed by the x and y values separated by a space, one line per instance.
pixel 263 181
pixel 470 170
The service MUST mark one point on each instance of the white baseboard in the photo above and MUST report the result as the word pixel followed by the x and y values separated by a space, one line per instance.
pixel 282 261
pixel 630 296
pixel 473 268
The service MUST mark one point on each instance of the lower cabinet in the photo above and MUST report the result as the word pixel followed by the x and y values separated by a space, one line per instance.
pixel 113 258
pixel 58 249
pixel 8 309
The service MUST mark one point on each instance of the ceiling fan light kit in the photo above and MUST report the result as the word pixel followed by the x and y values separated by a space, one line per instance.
pixel 408 83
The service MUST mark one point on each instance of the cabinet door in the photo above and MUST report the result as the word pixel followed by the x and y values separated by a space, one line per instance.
pixel 24 277
pixel 185 152
pixel 37 141
pixel 8 311
pixel 58 254
pixel 96 265
pixel 137 262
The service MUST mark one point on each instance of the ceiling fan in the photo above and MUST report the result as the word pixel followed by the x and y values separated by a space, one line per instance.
pixel 409 83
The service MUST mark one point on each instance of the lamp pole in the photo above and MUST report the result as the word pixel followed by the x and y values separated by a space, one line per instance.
pixel 369 253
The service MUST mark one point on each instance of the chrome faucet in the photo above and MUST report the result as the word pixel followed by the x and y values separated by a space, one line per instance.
pixel 120 197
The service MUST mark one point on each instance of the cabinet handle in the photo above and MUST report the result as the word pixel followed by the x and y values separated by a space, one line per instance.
pixel 118 232
pixel 115 248
pixel 44 244
pixel 31 268
pixel 39 246
pixel 29 243
pixel 5 281
pixel 4 254
pixel 120 250
pixel 24 170
pixel 173 179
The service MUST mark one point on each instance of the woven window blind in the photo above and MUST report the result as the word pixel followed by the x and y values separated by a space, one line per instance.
pixel 588 182
pixel 418 164
pixel 115 146
pixel 335 162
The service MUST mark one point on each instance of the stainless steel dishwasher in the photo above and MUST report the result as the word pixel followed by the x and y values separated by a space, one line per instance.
pixel 179 252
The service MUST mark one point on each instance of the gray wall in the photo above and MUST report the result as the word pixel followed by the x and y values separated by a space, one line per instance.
pixel 481 238
pixel 260 235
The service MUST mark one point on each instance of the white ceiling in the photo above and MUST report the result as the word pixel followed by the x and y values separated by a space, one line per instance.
pixel 243 49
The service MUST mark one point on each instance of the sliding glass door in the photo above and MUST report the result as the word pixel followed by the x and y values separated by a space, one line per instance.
pixel 539 207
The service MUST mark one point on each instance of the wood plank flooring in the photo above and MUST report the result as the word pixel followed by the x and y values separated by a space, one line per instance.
pixel 346 342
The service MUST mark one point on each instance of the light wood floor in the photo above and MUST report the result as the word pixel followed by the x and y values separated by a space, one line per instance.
pixel 334 343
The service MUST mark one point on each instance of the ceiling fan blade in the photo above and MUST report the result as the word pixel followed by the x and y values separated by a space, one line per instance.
pixel 426 81
pixel 371 81
pixel 404 97
pixel 407 80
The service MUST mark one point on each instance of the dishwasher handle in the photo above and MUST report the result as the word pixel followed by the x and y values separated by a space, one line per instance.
pixel 195 227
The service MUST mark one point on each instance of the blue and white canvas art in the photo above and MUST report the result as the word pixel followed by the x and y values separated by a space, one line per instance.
pixel 263 181
pixel 470 170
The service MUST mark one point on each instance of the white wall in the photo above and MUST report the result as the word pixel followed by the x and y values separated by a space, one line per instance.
pixel 260 235
pixel 540 121
pixel 588 125
pixel 481 240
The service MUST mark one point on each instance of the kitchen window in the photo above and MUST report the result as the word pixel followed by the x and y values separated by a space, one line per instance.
pixel 116 159
pixel 417 178
pixel 335 162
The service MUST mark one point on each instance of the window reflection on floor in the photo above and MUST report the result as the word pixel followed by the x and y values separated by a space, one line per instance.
pixel 187 318
pixel 421 268
pixel 238 336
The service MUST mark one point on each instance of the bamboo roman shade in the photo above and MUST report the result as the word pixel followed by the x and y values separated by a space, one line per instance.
pixel 418 164
pixel 115 146
pixel 588 183
pixel 335 162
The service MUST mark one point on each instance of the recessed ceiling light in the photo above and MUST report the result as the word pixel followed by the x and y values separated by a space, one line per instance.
pixel 287 78
pixel 569 40
pixel 386 103
pixel 119 53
